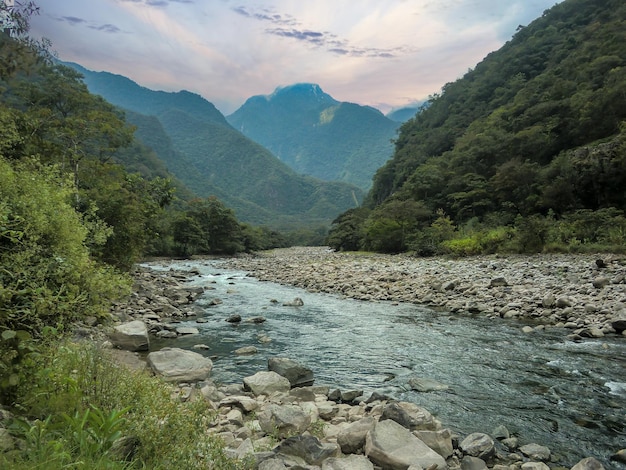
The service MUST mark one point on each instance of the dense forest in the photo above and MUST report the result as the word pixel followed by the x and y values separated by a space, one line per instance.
pixel 524 153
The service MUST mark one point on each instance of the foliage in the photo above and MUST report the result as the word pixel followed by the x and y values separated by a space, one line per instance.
pixel 89 402
pixel 537 128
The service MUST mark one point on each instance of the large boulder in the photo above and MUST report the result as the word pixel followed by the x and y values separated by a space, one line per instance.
pixel 307 447
pixel 179 365
pixel 351 439
pixel 411 416
pixel 439 441
pixel 131 336
pixel 283 420
pixel 392 446
pixel 588 464
pixel 478 445
pixel 266 383
pixel 350 462
pixel 297 374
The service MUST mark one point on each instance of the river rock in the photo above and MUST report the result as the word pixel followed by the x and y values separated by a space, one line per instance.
pixel 297 302
pixel 478 445
pixel 236 318
pixel 535 451
pixel 426 385
pixel 187 330
pixel 283 420
pixel 600 282
pixel 308 448
pixel 535 466
pixel 179 365
pixel 131 336
pixel 297 374
pixel 439 441
pixel 246 351
pixel 588 464
pixel 256 320
pixel 351 439
pixel 266 383
pixel 350 462
pixel 619 324
pixel 411 416
pixel 619 456
pixel 473 463
pixel 392 446
pixel 498 282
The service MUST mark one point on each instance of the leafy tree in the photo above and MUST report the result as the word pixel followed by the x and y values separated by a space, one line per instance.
pixel 345 233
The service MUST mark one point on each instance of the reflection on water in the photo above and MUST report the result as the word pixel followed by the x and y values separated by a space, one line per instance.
pixel 542 387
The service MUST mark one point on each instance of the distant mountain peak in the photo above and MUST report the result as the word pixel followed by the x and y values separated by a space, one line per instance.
pixel 308 91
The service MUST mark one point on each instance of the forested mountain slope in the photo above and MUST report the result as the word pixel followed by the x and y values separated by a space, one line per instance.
pixel 211 158
pixel 535 130
pixel 317 135
pixel 558 84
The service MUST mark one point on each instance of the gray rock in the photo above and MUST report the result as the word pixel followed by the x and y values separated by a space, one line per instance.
pixel 350 462
pixel 236 318
pixel 351 439
pixel 535 466
pixel 297 302
pixel 256 320
pixel 266 383
pixel 166 334
pixel 392 446
pixel 498 282
pixel 179 365
pixel 308 448
pixel 588 464
pixel 563 302
pixel 411 416
pixel 187 330
pixel 548 301
pixel 131 336
pixel 297 374
pixel 600 282
pixel 246 404
pixel 501 433
pixel 283 420
pixel 426 385
pixel 619 324
pixel 439 441
pixel 535 451
pixel 619 456
pixel 473 463
pixel 272 464
pixel 478 445
pixel 246 350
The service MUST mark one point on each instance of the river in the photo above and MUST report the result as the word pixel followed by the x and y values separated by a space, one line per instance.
pixel 569 396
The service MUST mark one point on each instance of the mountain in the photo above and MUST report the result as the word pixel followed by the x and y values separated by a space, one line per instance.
pixel 317 135
pixel 403 114
pixel 210 157
pixel 535 127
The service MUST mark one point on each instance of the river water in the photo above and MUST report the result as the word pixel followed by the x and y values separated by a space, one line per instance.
pixel 569 396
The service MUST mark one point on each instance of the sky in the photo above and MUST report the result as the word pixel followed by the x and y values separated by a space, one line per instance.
pixel 381 53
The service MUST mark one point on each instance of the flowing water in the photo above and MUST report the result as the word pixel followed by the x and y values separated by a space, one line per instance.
pixel 569 396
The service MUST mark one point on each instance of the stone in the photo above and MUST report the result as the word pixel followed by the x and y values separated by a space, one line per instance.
pixel 283 420
pixel 473 463
pixel 246 350
pixel 588 464
pixel 297 302
pixel 236 318
pixel 411 416
pixel 500 433
pixel 478 445
pixel 297 374
pixel 392 446
pixel 563 302
pixel 439 441
pixel 242 402
pixel 308 448
pixel 7 442
pixel 600 282
pixel 256 320
pixel 187 330
pixel 351 439
pixel 272 464
pixel 179 365
pixel 426 385
pixel 131 336
pixel 535 451
pixel 619 325
pixel 166 334
pixel 498 282
pixel 350 462
pixel 548 301
pixel 535 466
pixel 266 383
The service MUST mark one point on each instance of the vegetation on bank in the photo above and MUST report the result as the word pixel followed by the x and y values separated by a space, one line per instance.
pixel 525 153
pixel 73 223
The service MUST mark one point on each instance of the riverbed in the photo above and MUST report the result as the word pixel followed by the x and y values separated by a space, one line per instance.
pixel 544 387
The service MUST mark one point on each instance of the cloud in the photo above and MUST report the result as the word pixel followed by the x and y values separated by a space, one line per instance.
pixel 72 20
pixel 287 26
pixel 76 21
pixel 107 28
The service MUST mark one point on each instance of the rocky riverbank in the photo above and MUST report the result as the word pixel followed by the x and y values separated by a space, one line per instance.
pixel 585 294
pixel 276 424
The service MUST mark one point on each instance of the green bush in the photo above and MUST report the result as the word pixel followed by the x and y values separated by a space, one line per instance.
pixel 83 402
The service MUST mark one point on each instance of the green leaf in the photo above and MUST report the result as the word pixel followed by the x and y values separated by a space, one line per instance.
pixel 8 334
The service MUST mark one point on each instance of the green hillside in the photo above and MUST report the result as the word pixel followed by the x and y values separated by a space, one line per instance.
pixel 529 141
pixel 317 135
pixel 202 150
